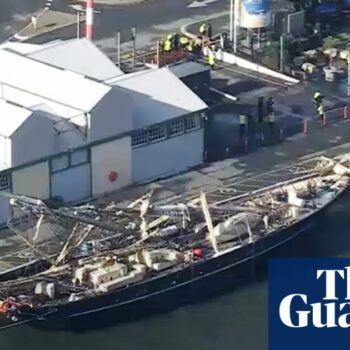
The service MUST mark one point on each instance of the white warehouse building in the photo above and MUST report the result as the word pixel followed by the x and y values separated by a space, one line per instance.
pixel 76 55
pixel 89 104
pixel 99 135
pixel 167 135
pixel 18 143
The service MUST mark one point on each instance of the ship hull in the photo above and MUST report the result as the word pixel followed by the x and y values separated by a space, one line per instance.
pixel 190 285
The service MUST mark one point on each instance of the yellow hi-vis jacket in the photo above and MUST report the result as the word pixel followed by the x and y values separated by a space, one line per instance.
pixel 202 28
pixel 167 45
pixel 184 40
pixel 242 119
pixel 320 110
pixel 211 59
pixel 198 42
pixel 169 36
pixel 316 96
pixel 270 118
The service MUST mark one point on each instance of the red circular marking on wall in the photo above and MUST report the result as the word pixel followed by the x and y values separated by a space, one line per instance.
pixel 112 176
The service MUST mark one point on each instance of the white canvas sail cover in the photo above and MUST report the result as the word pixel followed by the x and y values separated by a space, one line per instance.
pixel 236 226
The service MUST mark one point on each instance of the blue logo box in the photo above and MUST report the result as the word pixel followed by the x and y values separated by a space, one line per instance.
pixel 309 304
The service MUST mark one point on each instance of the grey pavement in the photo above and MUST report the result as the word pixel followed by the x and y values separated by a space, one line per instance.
pixel 47 21
pixel 152 20
pixel 292 105
pixel 14 15
pixel 115 2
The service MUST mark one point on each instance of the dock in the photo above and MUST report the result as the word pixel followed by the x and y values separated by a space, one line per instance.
pixel 15 252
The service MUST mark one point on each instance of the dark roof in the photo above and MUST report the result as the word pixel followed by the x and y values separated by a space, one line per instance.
pixel 182 70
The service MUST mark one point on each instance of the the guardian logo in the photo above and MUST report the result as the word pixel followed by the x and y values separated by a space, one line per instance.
pixel 329 309
pixel 309 302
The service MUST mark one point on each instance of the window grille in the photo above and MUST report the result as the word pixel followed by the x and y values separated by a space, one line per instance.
pixel 4 180
pixel 156 133
pixel 192 122
pixel 176 127
pixel 139 138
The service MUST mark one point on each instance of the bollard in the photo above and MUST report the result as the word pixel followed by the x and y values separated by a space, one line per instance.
pixel 281 134
pixel 246 144
pixel 324 119
pixel 346 112
pixel 305 127
pixel 35 22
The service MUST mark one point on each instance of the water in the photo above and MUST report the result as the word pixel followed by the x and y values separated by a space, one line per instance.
pixel 236 320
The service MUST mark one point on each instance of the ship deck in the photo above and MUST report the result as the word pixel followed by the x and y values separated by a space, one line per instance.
pixel 220 181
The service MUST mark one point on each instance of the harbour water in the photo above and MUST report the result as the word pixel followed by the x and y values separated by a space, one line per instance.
pixel 236 320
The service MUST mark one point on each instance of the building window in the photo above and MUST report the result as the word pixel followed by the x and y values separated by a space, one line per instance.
pixel 139 138
pixel 59 163
pixel 4 180
pixel 176 127
pixel 79 157
pixel 156 133
pixel 192 122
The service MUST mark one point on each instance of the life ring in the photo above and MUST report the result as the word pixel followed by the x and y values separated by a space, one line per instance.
pixel 112 176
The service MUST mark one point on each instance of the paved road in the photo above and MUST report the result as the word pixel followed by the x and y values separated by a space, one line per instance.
pixel 150 18
pixel 14 15
pixel 12 8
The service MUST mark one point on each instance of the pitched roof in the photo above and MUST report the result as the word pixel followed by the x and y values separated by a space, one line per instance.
pixel 12 117
pixel 22 48
pixel 80 56
pixel 159 96
pixel 51 83
pixel 185 69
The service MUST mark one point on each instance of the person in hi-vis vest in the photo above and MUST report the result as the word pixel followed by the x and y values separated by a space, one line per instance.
pixel 242 124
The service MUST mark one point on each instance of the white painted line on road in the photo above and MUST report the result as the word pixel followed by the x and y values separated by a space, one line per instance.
pixel 18 36
pixel 184 30
pixel 205 3
pixel 82 8
pixel 196 4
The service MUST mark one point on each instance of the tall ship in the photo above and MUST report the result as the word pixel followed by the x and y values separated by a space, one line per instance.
pixel 102 264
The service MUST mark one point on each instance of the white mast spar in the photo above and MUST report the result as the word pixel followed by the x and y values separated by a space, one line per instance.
pixel 209 222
